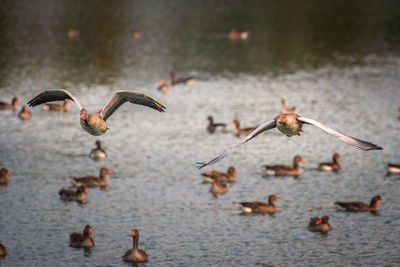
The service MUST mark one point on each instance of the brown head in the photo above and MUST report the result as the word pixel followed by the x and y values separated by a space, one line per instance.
pixel 210 119
pixel 283 100
pixel 87 231
pixel 4 172
pixel 104 171
pixel 15 100
pixel 272 198
pixel 98 144
pixel 336 156
pixel 375 201
pixel 236 122
pixel 298 159
pixel 232 170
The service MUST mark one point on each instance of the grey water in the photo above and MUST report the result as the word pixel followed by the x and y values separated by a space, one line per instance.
pixel 337 61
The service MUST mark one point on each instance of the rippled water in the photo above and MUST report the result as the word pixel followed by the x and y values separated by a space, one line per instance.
pixel 351 85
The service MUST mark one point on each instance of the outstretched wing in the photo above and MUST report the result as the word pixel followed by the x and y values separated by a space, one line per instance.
pixel 54 95
pixel 262 128
pixel 357 143
pixel 122 96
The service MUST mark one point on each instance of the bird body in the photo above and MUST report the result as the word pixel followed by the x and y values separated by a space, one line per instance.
pixel 393 168
pixel 291 124
pixel 98 153
pixel 222 177
pixel 331 166
pixel 211 127
pixel 356 206
pixel 95 123
pixel 259 207
pixel 24 114
pixel 12 106
pixel 186 80
pixel 218 188
pixel 70 195
pixel 135 254
pixel 320 225
pixel 283 170
pixel 82 239
pixel 91 181
pixel 241 131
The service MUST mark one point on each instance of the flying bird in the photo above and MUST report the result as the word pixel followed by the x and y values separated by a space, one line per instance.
pixel 291 124
pixel 95 123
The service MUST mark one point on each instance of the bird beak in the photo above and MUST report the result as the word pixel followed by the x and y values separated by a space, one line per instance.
pixel 83 116
pixel 8 174
pixel 133 233
pixel 209 173
pixel 303 160
pixel 277 198
pixel 109 172
pixel 318 222
pixel 90 232
pixel 280 119
pixel 236 172
pixel 86 192
pixel 377 202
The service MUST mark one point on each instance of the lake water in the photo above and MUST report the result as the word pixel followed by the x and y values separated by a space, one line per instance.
pixel 337 62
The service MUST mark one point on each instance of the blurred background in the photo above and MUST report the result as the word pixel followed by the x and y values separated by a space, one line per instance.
pixel 337 61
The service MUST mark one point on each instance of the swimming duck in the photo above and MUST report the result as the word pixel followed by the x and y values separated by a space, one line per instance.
pixel 95 123
pixel 285 109
pixel 236 35
pixel 3 250
pixel 12 106
pixel 241 131
pixel 360 206
pixel 57 107
pixel 260 207
pixel 393 168
pixel 163 87
pixel 320 225
pixel 283 170
pixel 91 181
pixel 78 240
pixel 98 153
pixel 4 176
pixel 211 127
pixel 291 124
pixel 70 195
pixel 228 177
pixel 24 114
pixel 331 166
pixel 135 254
pixel 187 80
pixel 218 188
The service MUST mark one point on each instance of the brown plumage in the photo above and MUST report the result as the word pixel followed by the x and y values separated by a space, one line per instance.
pixel 71 195
pixel 82 239
pixel 12 106
pixel 222 177
pixel 331 166
pixel 241 131
pixel 91 181
pixel 24 114
pixel 393 168
pixel 135 254
pixel 283 170
pixel 260 207
pixel 360 206
pixel 218 188
pixel 3 250
pixel 186 80
pixel 4 176
pixel 320 225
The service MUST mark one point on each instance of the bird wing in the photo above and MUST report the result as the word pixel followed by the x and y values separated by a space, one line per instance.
pixel 357 143
pixel 263 127
pixel 54 95
pixel 122 96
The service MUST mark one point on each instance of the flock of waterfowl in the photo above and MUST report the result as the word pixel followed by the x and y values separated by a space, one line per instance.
pixel 287 122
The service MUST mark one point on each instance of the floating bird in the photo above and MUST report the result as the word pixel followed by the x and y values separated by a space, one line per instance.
pixel 236 35
pixel 3 250
pixel 98 153
pixel 163 87
pixel 187 80
pixel 320 225
pixel 57 107
pixel 291 124
pixel 285 109
pixel 241 131
pixel 218 188
pixel 331 166
pixel 135 254
pixel 78 240
pixel 360 206
pixel 12 106
pixel 72 34
pixel 4 176
pixel 95 123
pixel 259 207
pixel 283 170
pixel 24 114
pixel 222 177
pixel 136 34
pixel 70 195
pixel 393 168
pixel 91 181
pixel 211 127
